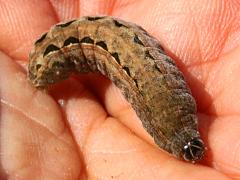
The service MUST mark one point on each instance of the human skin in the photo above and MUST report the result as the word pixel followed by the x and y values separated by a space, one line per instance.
pixel 83 128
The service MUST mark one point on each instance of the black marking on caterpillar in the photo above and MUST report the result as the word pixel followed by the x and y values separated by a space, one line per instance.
pixel 38 66
pixel 87 40
pixel 63 25
pixel 102 44
pixel 94 18
pixel 158 68
pixel 116 57
pixel 71 40
pixel 118 24
pixel 137 40
pixel 41 38
pixel 126 69
pixel 136 83
pixel 50 48
pixel 148 55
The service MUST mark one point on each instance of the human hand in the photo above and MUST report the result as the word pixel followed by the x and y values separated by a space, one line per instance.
pixel 93 132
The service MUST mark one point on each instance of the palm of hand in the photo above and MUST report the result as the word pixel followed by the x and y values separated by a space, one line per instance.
pixel 42 139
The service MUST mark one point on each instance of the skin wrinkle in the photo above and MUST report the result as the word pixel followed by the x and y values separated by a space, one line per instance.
pixel 233 37
pixel 13 173
pixel 35 121
pixel 61 8
pixel 126 108
pixel 221 47
pixel 199 64
pixel 202 13
pixel 228 31
pixel 219 166
pixel 188 47
pixel 182 54
pixel 222 90
pixel 114 153
pixel 112 7
pixel 123 4
pixel 24 114
pixel 9 21
pixel 209 55
pixel 197 37
pixel 222 12
pixel 56 17
pixel 91 127
pixel 69 10
pixel 20 110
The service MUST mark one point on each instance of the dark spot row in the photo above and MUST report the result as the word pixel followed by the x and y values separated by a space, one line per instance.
pixel 73 40
pixel 41 38
pixel 127 70
pixel 94 18
pixel 66 24
pixel 117 23
pixel 58 25
pixel 102 44
pixel 52 47
pixel 137 40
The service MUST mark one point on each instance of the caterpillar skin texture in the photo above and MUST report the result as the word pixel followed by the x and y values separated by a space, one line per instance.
pixel 136 63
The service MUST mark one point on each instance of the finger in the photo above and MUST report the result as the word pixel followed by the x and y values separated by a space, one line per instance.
pixel 72 9
pixel 113 152
pixel 221 115
pixel 115 104
pixel 82 110
pixel 33 133
pixel 66 10
pixel 21 24
pixel 221 135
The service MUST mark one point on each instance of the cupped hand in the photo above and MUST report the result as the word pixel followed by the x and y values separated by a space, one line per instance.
pixel 83 128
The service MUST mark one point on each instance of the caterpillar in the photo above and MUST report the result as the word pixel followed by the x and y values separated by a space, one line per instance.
pixel 136 63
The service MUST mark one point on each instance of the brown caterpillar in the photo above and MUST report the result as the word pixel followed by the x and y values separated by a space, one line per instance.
pixel 136 63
